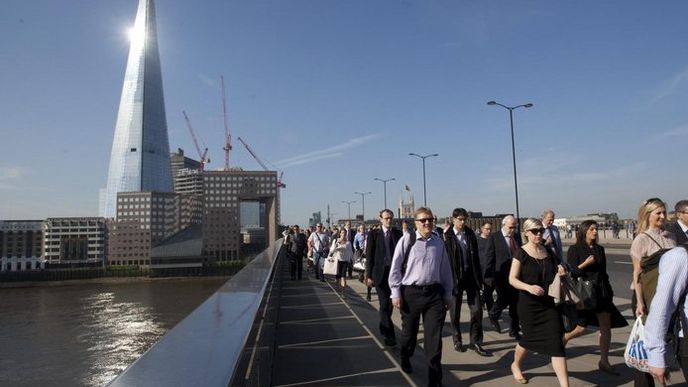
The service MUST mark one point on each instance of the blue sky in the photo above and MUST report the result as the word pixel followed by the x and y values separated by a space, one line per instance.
pixel 337 93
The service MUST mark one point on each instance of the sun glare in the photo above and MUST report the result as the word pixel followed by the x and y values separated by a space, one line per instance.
pixel 136 34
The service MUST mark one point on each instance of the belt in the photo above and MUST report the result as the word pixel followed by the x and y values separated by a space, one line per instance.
pixel 425 288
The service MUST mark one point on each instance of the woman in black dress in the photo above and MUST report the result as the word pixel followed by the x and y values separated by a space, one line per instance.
pixel 588 262
pixel 532 270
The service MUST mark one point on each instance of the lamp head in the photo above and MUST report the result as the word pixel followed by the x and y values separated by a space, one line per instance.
pixel 528 105
pixel 491 103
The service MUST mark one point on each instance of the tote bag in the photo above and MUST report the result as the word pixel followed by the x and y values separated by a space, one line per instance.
pixel 635 354
pixel 330 266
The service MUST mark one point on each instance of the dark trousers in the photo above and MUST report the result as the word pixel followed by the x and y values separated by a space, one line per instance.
pixel 488 297
pixel 425 301
pixel 295 265
pixel 383 295
pixel 507 296
pixel 473 299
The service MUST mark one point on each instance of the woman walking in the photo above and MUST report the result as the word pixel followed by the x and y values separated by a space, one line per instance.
pixel 342 252
pixel 588 262
pixel 532 270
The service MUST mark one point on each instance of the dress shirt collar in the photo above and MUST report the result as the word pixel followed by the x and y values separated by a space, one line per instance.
pixel 458 232
pixel 683 226
pixel 430 236
pixel 385 229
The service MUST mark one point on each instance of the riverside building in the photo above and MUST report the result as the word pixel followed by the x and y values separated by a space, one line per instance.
pixel 75 241
pixel 21 245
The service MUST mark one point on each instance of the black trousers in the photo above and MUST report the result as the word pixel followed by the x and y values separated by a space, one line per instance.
pixel 469 286
pixel 425 301
pixel 383 294
pixel 295 265
pixel 488 297
pixel 507 296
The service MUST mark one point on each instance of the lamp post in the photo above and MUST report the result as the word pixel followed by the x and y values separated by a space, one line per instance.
pixel 425 198
pixel 363 194
pixel 384 182
pixel 349 204
pixel 513 147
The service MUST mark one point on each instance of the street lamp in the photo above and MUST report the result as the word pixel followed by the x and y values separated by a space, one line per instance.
pixel 425 199
pixel 363 194
pixel 513 147
pixel 349 204
pixel 384 182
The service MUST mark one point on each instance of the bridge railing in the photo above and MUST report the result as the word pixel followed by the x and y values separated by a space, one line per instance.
pixel 227 340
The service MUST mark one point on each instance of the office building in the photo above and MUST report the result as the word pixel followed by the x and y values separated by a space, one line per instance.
pixel 223 193
pixel 75 241
pixel 140 157
pixel 21 245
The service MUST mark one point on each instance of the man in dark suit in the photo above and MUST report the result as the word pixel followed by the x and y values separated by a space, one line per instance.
pixel 379 250
pixel 483 239
pixel 350 235
pixel 680 226
pixel 298 251
pixel 462 248
pixel 501 248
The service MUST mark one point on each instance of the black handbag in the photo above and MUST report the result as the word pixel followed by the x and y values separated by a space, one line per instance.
pixel 587 291
pixel 569 316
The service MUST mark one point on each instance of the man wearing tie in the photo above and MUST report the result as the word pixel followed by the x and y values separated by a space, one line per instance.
pixel 462 248
pixel 551 238
pixel 379 250
pixel 501 248
pixel 680 226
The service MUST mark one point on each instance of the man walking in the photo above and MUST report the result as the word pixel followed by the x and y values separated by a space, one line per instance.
pixel 501 248
pixel 488 283
pixel 379 250
pixel 462 248
pixel 422 286
pixel 298 250
pixel 319 243
pixel 551 238
pixel 680 226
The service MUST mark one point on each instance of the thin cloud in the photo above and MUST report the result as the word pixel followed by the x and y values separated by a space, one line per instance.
pixel 334 151
pixel 670 86
pixel 8 176
pixel 681 131
pixel 208 81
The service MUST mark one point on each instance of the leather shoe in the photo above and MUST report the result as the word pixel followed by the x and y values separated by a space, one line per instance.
pixel 607 369
pixel 458 347
pixel 480 350
pixel 390 342
pixel 406 365
pixel 495 324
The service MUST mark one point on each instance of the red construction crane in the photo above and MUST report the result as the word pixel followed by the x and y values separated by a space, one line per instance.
pixel 280 184
pixel 203 155
pixel 228 136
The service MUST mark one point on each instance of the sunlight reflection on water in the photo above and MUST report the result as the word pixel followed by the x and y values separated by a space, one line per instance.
pixel 87 334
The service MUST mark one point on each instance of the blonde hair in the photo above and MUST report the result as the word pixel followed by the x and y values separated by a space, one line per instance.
pixel 530 224
pixel 645 210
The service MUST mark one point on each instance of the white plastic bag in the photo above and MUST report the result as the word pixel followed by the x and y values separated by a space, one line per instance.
pixel 635 354
pixel 330 266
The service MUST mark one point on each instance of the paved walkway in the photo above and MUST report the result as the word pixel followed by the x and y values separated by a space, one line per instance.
pixel 329 337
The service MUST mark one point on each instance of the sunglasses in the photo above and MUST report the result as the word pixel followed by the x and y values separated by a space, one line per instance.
pixel 537 230
pixel 425 220
pixel 652 200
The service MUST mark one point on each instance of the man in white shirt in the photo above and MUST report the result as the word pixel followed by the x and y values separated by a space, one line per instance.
pixel 319 242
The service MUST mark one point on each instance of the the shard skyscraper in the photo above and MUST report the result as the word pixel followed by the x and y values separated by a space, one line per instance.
pixel 140 158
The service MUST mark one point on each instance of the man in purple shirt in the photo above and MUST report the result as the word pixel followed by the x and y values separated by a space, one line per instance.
pixel 422 286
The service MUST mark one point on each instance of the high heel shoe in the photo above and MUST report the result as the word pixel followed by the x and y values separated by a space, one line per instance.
pixel 608 369
pixel 521 380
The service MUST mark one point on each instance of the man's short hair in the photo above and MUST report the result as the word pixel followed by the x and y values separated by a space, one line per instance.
pixel 547 212
pixel 423 210
pixel 508 218
pixel 387 210
pixel 681 205
pixel 459 212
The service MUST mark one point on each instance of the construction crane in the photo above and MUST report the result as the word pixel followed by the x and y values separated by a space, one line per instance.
pixel 280 184
pixel 228 136
pixel 203 155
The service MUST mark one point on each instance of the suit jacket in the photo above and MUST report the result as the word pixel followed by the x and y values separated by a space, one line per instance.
pixel 455 256
pixel 675 228
pixel 559 253
pixel 375 254
pixel 498 259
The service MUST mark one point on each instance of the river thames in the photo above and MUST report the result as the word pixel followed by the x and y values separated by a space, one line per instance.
pixel 86 334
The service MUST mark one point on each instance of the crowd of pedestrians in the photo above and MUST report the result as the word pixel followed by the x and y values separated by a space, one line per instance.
pixel 425 270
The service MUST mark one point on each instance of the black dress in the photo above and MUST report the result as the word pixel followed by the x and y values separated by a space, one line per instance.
pixel 540 319
pixel 597 273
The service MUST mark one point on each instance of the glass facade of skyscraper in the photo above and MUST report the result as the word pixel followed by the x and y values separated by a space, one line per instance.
pixel 140 158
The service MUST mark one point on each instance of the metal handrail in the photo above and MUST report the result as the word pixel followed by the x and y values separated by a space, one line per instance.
pixel 206 347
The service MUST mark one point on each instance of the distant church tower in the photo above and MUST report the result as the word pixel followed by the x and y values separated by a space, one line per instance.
pixel 406 207
pixel 140 158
